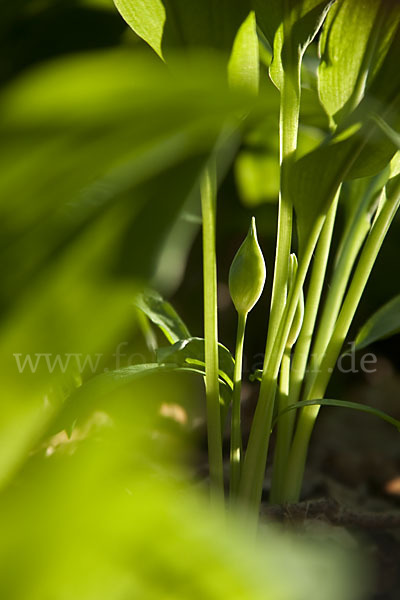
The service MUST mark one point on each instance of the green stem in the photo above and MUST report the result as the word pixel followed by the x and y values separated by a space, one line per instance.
pixel 208 205
pixel 236 436
pixel 283 439
pixel 256 454
pixel 257 450
pixel 350 249
pixel 298 367
pixel 303 344
pixel 298 453
pixel 288 130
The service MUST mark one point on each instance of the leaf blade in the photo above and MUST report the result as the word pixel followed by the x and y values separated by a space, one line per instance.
pixel 343 404
pixel 353 45
pixel 162 313
pixel 191 351
pixel 384 323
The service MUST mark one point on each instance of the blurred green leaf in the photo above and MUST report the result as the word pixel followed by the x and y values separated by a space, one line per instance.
pixel 257 175
pixel 106 515
pixel 393 136
pixel 384 323
pixel 99 153
pixel 83 162
pixel 98 392
pixel 82 157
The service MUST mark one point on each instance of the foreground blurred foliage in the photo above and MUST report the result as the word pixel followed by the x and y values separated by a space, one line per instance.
pixel 107 517
pixel 99 155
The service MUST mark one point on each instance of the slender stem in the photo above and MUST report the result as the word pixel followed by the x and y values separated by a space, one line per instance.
pixel 208 205
pixel 288 130
pixel 311 310
pixel 350 249
pixel 298 367
pixel 236 435
pixel 309 414
pixel 257 450
pixel 256 454
pixel 283 438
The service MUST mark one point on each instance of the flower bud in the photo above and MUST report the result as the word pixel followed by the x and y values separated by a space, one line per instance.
pixel 247 273
pixel 299 314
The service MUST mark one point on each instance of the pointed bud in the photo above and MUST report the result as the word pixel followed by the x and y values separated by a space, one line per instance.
pixel 299 314
pixel 247 273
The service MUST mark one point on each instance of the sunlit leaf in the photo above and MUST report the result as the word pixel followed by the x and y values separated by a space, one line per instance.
pixel 169 24
pixel 289 27
pixel 243 67
pixel 354 41
pixel 147 19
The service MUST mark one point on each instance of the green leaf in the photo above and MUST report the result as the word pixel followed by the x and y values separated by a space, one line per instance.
pixel 171 24
pixel 395 165
pixel 373 158
pixel 358 150
pixel 342 404
pixel 227 25
pixel 185 356
pixel 290 27
pixel 355 39
pixel 384 323
pixel 97 392
pixel 383 98
pixel 312 114
pixel 359 44
pixel 147 19
pixel 191 352
pixel 313 195
pixel 106 142
pixel 145 528
pixel 244 62
pixel 69 140
pixel 162 314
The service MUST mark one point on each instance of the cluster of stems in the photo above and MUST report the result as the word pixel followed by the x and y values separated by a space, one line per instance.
pixel 299 370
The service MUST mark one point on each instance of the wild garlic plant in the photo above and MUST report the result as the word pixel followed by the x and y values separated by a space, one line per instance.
pixel 358 85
